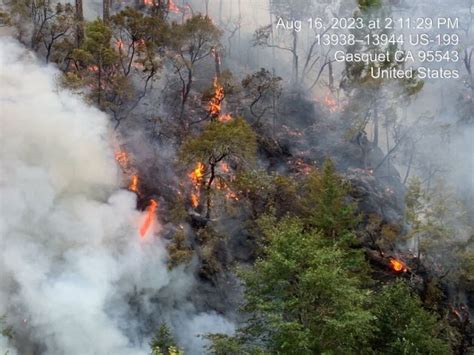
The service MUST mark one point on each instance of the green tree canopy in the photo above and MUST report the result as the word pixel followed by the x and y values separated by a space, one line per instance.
pixel 403 326
pixel 232 141
pixel 301 297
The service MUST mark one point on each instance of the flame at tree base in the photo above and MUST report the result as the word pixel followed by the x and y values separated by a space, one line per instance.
pixel 196 177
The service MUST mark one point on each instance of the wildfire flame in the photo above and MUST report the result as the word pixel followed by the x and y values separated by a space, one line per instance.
pixel 216 100
pixel 124 161
pixel 331 103
pixel 196 177
pixel 195 199
pixel 232 195
pixel 149 217
pixel 172 7
pixel 122 158
pixel 225 118
pixel 198 173
pixel 398 265
pixel 215 104
pixel 133 186
pixel 93 68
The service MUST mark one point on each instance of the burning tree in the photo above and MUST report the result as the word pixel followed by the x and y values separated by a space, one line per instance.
pixel 138 38
pixel 97 67
pixel 138 41
pixel 190 43
pixel 230 142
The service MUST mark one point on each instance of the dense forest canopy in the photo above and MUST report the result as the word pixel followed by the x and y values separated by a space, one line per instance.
pixel 194 179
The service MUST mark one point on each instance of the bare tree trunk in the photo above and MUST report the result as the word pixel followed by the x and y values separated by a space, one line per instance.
pixel 387 139
pixel 185 93
pixel 99 96
pixel 273 41
pixel 239 33
pixel 80 23
pixel 410 162
pixel 106 10
pixel 217 61
pixel 220 11
pixel 331 77
pixel 208 191
pixel 376 124
pixel 295 58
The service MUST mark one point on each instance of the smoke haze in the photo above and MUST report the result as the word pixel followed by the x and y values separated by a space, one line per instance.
pixel 70 252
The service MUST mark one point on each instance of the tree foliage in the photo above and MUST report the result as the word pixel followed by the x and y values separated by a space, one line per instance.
pixel 163 343
pixel 190 43
pixel 302 298
pixel 403 326
pixel 234 142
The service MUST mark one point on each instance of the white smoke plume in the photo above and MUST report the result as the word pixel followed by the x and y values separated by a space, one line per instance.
pixel 70 251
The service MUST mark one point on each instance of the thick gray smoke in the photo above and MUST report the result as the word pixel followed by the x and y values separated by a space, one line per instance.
pixel 70 251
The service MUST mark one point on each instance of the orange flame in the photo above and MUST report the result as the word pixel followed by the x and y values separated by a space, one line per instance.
pixel 196 177
pixel 232 195
pixel 134 184
pixel 172 7
pixel 215 102
pixel 198 173
pixel 195 199
pixel 93 68
pixel 331 103
pixel 149 217
pixel 225 118
pixel 398 265
pixel 122 158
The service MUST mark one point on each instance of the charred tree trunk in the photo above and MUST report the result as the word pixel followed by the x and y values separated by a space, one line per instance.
pixel 209 190
pixel 106 10
pixel 185 94
pixel 410 162
pixel 294 50
pixel 239 32
pixel 80 23
pixel 331 76
pixel 376 124
pixel 217 61
pixel 99 93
